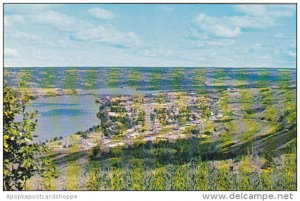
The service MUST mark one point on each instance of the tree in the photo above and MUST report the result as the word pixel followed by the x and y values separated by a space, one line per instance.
pixel 96 152
pixel 22 157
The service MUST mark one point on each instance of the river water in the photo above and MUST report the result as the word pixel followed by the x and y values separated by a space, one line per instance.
pixel 64 115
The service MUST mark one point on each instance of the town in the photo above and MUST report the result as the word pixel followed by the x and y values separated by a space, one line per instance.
pixel 165 116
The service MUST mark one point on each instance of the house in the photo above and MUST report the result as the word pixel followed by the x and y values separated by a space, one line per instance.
pixel 188 124
pixel 106 141
pixel 212 118
pixel 112 114
pixel 150 138
pixel 182 136
pixel 231 90
pixel 173 137
pixel 132 135
pixel 116 144
pixel 130 130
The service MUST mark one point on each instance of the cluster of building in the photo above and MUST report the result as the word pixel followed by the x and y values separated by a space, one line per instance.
pixel 161 116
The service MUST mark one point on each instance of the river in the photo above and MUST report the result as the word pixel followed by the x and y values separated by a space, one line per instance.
pixel 64 115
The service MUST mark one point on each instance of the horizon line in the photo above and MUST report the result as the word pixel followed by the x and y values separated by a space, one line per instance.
pixel 143 67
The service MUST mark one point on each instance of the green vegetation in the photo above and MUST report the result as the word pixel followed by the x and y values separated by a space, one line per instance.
pixel 22 157
pixel 184 165
pixel 208 129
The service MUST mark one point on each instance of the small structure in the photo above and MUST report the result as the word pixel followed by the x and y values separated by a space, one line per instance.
pixel 150 138
pixel 231 90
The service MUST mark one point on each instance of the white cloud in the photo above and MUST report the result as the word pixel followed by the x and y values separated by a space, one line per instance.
pixel 56 19
pixel 9 20
pixel 61 21
pixel 108 35
pixel 23 35
pixel 251 21
pixel 217 26
pixel 256 10
pixel 230 27
pixel 10 53
pixel 255 17
pixel 215 42
pixel 291 53
pixel 101 13
pixel 98 33
pixel 80 30
pixel 83 30
pixel 159 52
pixel 69 38
pixel 223 42
pixel 267 10
pixel 225 31
pixel 287 12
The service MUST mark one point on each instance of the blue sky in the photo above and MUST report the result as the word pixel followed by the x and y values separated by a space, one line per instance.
pixel 232 35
